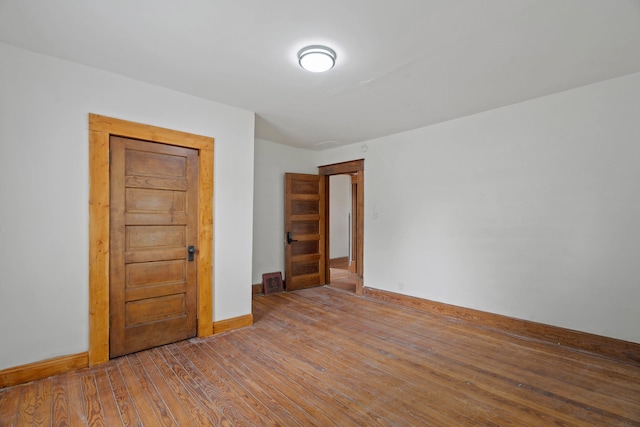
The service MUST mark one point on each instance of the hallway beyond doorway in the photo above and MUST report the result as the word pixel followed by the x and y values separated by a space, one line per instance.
pixel 339 275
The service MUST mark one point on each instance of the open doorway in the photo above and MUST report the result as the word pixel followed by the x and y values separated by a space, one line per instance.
pixel 347 256
pixel 342 232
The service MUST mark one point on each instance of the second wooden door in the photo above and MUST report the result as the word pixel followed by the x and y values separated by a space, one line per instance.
pixel 304 231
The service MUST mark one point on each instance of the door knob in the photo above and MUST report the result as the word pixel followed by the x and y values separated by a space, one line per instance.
pixel 191 250
pixel 290 237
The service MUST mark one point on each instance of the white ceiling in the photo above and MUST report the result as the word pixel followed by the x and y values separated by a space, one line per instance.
pixel 402 64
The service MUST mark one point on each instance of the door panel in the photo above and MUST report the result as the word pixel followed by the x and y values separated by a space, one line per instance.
pixel 153 287
pixel 155 273
pixel 305 220
pixel 141 237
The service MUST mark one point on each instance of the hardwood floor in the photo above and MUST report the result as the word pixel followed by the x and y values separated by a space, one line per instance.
pixel 339 275
pixel 326 357
pixel 342 279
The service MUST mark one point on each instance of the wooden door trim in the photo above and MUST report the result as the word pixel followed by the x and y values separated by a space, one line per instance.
pixel 100 128
pixel 352 167
pixel 354 224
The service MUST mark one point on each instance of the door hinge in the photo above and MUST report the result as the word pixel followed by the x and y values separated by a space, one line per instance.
pixel 109 156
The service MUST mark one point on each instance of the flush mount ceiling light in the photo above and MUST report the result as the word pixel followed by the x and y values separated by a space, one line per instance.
pixel 316 58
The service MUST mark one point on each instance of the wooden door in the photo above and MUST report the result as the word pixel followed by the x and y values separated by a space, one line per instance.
pixel 153 283
pixel 304 231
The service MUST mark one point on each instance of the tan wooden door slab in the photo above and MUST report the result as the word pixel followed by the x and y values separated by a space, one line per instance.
pixel 154 212
pixel 304 231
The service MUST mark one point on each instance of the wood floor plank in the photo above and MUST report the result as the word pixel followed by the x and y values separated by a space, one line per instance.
pixel 92 402
pixel 217 392
pixel 42 410
pixel 59 401
pixel 179 389
pixel 323 356
pixel 106 396
pixel 27 404
pixel 341 385
pixel 140 401
pixel 340 406
pixel 126 410
pixel 256 384
pixel 313 406
pixel 193 385
pixel 232 389
pixel 179 412
pixel 9 402
pixel 75 403
pixel 160 408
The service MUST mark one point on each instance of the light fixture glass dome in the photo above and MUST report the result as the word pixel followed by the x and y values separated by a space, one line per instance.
pixel 316 58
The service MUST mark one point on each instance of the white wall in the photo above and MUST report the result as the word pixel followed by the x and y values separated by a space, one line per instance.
pixel 339 210
pixel 532 210
pixel 44 107
pixel 272 161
